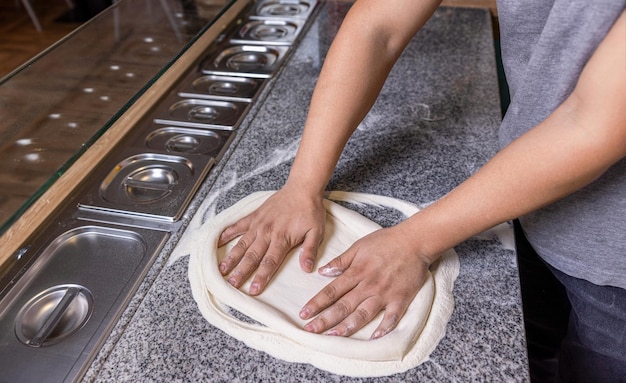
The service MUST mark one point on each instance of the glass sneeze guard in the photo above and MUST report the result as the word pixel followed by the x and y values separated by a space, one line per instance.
pixel 56 105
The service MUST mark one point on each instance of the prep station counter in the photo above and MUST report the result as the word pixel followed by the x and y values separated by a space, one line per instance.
pixel 434 124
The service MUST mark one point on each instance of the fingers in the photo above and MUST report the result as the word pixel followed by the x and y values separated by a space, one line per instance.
pixel 235 255
pixel 268 266
pixel 233 231
pixel 337 266
pixel 245 257
pixel 367 282
pixel 346 316
pixel 262 255
pixel 285 220
pixel 331 294
pixel 308 251
pixel 352 312
pixel 393 313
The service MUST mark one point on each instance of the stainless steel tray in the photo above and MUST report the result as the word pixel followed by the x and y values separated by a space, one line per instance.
pixel 67 288
pixel 153 186
pixel 174 139
pixel 285 8
pixel 231 88
pixel 271 31
pixel 245 60
pixel 56 316
pixel 202 113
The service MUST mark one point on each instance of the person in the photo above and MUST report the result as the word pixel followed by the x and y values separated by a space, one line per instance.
pixel 561 171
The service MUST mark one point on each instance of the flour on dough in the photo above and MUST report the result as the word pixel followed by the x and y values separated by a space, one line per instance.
pixel 279 329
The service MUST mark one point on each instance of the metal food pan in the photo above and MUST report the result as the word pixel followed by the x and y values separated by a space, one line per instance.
pixel 232 88
pixel 285 8
pixel 152 186
pixel 271 31
pixel 176 139
pixel 245 60
pixel 55 317
pixel 202 113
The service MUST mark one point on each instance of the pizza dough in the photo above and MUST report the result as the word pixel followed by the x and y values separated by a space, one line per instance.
pixel 275 327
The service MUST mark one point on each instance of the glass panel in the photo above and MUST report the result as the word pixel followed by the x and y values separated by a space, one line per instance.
pixel 59 103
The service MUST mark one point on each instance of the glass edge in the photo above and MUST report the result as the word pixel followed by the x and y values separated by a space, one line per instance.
pixel 4 226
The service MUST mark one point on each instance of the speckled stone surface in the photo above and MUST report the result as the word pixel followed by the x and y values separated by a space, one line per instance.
pixel 434 124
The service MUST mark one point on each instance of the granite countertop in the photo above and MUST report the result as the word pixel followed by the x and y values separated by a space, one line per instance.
pixel 434 124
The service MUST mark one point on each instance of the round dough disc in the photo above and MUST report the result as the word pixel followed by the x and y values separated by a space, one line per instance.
pixel 275 327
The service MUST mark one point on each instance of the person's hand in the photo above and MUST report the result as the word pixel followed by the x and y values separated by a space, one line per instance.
pixel 380 271
pixel 284 221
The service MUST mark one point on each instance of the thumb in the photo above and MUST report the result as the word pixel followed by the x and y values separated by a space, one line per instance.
pixel 337 266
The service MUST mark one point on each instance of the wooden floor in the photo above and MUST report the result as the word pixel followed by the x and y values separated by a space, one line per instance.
pixel 20 41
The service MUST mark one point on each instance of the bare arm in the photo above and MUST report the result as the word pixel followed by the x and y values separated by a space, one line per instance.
pixel 370 40
pixel 577 143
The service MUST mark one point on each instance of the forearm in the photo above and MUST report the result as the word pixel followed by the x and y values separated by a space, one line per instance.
pixel 359 60
pixel 578 142
pixel 548 163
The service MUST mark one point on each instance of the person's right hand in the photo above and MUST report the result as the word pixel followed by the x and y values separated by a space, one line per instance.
pixel 285 220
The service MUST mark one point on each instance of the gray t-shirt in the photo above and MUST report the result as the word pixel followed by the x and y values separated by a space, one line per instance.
pixel 545 45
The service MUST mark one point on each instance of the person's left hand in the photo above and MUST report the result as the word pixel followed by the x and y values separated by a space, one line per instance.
pixel 381 271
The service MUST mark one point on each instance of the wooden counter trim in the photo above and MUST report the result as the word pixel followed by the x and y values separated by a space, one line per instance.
pixel 490 4
pixel 53 199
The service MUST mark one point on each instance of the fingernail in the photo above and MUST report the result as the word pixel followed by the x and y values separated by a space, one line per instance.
pixel 310 328
pixel 304 313
pixel 332 332
pixel 378 334
pixel 222 268
pixel 309 264
pixel 254 288
pixel 232 281
pixel 221 238
pixel 329 271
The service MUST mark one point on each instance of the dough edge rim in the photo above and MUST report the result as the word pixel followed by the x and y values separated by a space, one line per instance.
pixel 259 337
